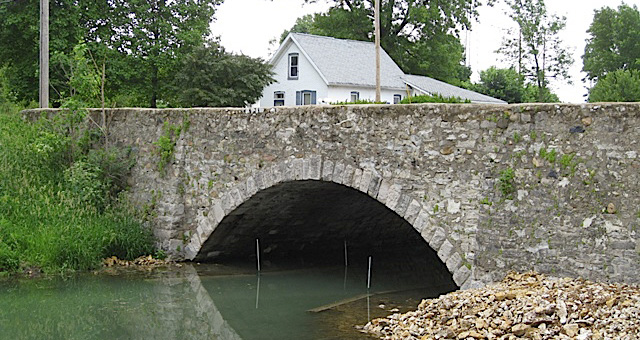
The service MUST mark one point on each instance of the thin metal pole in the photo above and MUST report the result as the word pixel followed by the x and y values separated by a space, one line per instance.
pixel 346 261
pixel 368 307
pixel 369 275
pixel 377 33
pixel 258 253
pixel 44 54
pixel 258 291
pixel 344 283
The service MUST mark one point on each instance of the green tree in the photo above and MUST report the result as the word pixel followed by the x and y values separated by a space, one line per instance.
pixel 614 41
pixel 534 94
pixel 209 76
pixel 19 38
pixel 534 48
pixel 157 33
pixel 140 41
pixel 502 83
pixel 419 35
pixel 617 86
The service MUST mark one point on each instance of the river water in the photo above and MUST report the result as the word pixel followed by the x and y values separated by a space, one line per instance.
pixel 202 301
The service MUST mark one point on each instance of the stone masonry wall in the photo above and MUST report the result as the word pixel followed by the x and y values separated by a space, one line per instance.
pixel 491 188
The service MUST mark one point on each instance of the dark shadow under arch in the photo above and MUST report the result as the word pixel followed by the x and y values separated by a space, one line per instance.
pixel 309 221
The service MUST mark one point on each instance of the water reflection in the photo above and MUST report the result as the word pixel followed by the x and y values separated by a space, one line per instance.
pixel 204 302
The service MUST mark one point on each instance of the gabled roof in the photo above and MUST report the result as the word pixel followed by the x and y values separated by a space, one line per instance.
pixel 351 62
pixel 346 62
pixel 433 86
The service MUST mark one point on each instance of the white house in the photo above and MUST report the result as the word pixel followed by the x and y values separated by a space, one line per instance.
pixel 311 69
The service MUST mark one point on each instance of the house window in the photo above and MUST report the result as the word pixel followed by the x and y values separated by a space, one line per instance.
pixel 397 98
pixel 355 96
pixel 305 97
pixel 278 98
pixel 293 65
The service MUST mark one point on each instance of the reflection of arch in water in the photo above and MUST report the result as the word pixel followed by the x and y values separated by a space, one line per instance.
pixel 314 173
pixel 212 324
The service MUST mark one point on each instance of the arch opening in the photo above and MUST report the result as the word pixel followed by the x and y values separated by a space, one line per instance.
pixel 307 223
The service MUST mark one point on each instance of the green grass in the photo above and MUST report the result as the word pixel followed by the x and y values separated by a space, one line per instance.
pixel 59 211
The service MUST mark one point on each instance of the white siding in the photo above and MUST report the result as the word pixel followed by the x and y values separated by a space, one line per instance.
pixel 308 79
pixel 343 94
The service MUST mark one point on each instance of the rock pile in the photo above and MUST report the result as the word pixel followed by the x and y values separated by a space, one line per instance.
pixel 528 305
pixel 143 261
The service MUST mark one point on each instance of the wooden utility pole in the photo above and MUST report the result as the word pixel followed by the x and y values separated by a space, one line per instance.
pixel 44 54
pixel 377 28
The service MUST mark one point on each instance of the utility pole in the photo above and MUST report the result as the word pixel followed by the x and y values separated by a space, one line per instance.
pixel 377 29
pixel 44 54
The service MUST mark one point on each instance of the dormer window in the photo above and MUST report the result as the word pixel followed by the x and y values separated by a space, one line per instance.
pixel 293 65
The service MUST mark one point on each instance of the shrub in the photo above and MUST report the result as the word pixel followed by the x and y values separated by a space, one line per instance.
pixel 436 98
pixel 359 102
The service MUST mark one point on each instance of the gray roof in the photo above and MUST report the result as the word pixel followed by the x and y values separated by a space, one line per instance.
pixel 349 62
pixel 430 85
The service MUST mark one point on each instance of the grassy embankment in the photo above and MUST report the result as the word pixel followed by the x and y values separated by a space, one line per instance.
pixel 60 207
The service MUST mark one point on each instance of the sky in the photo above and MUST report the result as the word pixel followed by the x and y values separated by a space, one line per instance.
pixel 248 26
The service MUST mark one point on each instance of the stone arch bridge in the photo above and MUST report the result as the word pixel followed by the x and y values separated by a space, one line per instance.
pixel 552 188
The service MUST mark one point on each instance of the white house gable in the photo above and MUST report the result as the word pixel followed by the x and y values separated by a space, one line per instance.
pixel 297 80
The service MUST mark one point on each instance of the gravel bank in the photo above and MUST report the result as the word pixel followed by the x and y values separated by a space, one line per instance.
pixel 529 306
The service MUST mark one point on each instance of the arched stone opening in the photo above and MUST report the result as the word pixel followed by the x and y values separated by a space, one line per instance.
pixel 309 221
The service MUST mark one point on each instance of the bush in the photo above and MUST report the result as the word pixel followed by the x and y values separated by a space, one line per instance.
pixel 433 99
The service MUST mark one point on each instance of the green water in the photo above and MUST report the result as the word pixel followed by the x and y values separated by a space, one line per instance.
pixel 204 302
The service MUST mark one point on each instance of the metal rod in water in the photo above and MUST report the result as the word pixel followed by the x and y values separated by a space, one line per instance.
pixel 258 253
pixel 369 307
pixel 369 275
pixel 346 262
pixel 258 291
pixel 344 285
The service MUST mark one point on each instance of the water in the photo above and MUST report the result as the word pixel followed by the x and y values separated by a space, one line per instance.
pixel 206 302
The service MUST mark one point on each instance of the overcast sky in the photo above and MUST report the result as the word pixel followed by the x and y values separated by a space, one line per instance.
pixel 247 26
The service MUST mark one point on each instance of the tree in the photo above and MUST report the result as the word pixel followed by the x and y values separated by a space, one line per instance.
pixel 617 86
pixel 209 76
pixel 141 42
pixel 156 33
pixel 614 41
pixel 19 38
pixel 505 83
pixel 419 35
pixel 535 48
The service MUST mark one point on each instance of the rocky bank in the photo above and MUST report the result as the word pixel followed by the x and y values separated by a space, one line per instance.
pixel 522 306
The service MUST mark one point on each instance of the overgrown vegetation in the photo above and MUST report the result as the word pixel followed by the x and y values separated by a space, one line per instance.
pixel 60 202
pixel 437 98
pixel 506 183
pixel 165 145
